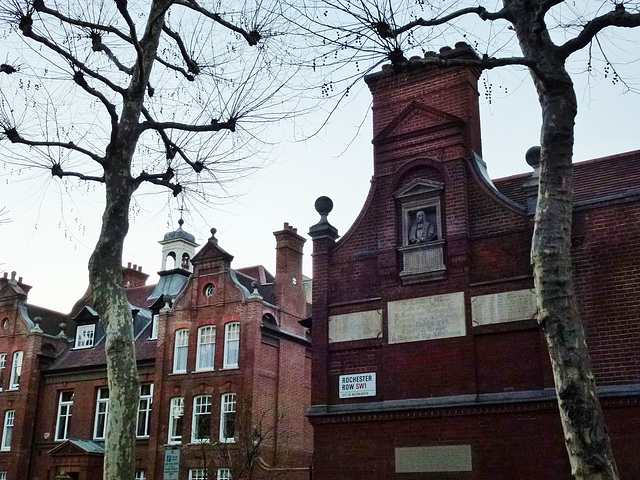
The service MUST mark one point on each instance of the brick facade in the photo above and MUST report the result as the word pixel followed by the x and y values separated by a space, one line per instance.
pixel 266 386
pixel 462 392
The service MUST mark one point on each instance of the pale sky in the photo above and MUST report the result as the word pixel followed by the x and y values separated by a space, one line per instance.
pixel 51 235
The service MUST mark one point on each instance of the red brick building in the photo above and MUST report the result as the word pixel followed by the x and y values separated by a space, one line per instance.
pixel 224 368
pixel 428 362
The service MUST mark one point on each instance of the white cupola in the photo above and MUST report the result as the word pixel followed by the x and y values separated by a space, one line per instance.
pixel 178 247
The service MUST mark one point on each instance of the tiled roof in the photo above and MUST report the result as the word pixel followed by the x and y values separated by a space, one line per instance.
pixel 138 295
pixel 257 272
pixel 265 290
pixel 51 320
pixel 593 179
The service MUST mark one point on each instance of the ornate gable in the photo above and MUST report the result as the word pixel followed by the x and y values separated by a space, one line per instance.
pixel 417 117
pixel 418 187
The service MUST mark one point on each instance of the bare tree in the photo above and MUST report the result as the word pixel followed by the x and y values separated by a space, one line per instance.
pixel 548 33
pixel 164 92
pixel 254 434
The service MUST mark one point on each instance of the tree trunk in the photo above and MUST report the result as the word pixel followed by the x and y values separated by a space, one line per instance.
pixel 586 437
pixel 110 301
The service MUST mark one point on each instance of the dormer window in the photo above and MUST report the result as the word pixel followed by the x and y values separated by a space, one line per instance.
pixel 85 335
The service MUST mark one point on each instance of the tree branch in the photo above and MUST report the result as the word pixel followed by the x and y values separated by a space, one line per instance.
pixel 40 7
pixel 252 37
pixel 162 179
pixel 122 8
pixel 485 63
pixel 98 46
pixel 385 31
pixel 14 137
pixel 8 69
pixel 619 17
pixel 191 63
pixel 26 27
pixel 56 171
pixel 214 126
pixel 78 77
pixel 170 66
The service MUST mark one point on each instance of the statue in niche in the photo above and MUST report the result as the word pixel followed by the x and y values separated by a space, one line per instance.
pixel 421 230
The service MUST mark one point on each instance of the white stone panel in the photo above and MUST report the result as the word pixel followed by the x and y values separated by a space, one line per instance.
pixel 427 318
pixel 445 458
pixel 503 307
pixel 355 326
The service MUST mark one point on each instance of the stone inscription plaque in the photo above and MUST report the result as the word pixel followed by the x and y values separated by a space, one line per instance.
pixel 427 318
pixel 355 326
pixel 503 307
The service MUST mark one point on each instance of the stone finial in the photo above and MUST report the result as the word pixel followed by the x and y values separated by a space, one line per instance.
pixel 531 184
pixel 533 156
pixel 37 328
pixel 213 238
pixel 255 293
pixel 62 326
pixel 323 229
pixel 167 303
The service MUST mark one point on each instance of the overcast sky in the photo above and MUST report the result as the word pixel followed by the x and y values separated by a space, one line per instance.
pixel 51 234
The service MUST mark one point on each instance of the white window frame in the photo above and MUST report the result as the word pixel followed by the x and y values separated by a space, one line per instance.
pixel 16 370
pixel 102 411
pixel 206 354
pixel 181 350
pixel 3 475
pixel 223 474
pixel 197 474
pixel 85 336
pixel 144 410
pixel 231 345
pixel 176 412
pixel 201 407
pixel 3 367
pixel 154 326
pixel 7 431
pixel 227 408
pixel 140 475
pixel 64 416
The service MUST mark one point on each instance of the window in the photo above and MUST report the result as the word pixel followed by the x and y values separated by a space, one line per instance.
pixel 65 402
pixel 201 427
pixel 180 351
pixel 144 409
pixel 140 475
pixel 102 412
pixel 206 348
pixel 197 474
pixel 3 475
pixel 3 366
pixel 228 418
pixel 16 370
pixel 224 474
pixel 85 335
pixel 231 344
pixel 154 327
pixel 7 431
pixel 175 420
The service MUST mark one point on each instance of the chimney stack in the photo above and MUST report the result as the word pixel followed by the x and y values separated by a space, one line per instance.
pixel 288 284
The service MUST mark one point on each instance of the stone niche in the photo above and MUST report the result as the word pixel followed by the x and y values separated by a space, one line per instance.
pixel 422 247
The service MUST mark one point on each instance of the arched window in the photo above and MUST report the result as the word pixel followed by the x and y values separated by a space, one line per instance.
pixel 185 261
pixel 171 261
